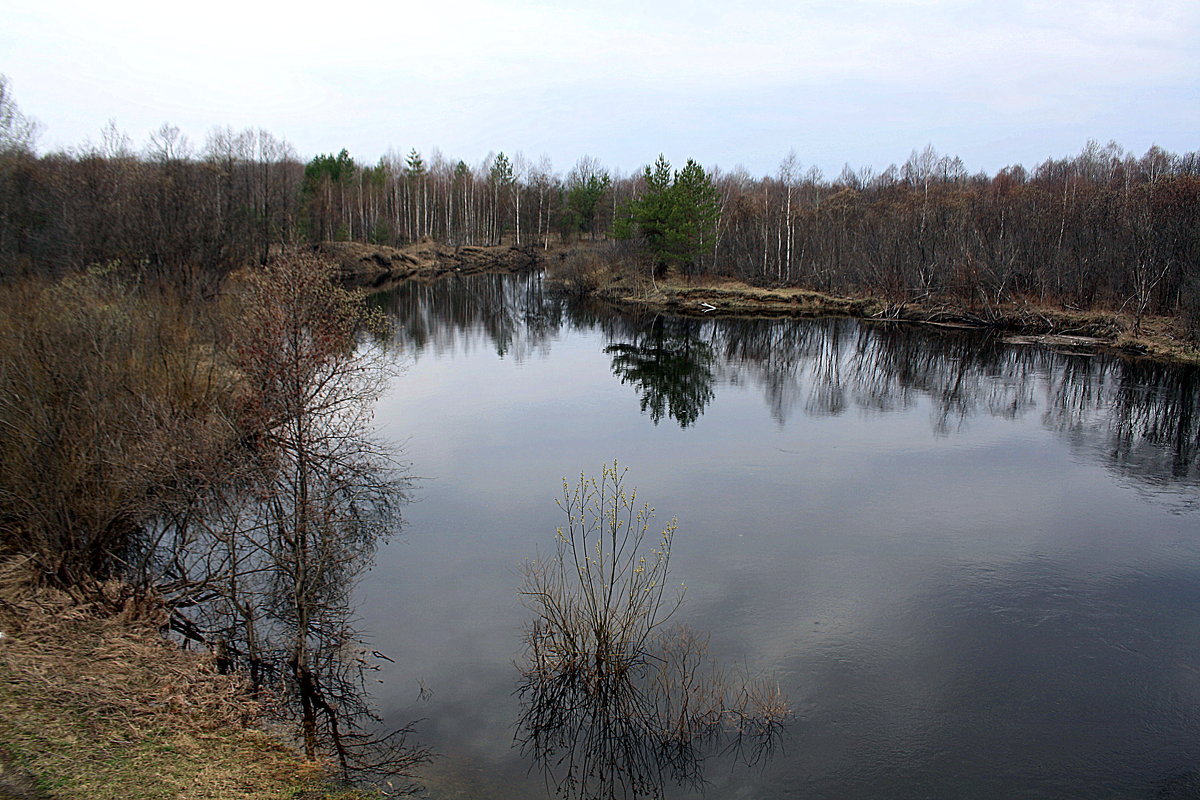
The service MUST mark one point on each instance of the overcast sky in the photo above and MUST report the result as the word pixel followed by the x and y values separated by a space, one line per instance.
pixel 859 81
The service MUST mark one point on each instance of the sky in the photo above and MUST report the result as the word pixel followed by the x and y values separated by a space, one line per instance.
pixel 863 82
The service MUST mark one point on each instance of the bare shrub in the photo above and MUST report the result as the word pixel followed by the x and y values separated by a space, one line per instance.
pixel 109 415
pixel 583 271
pixel 613 702
pixel 275 557
pixel 224 464
pixel 598 598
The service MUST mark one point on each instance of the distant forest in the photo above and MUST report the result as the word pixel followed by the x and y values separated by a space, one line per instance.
pixel 1104 229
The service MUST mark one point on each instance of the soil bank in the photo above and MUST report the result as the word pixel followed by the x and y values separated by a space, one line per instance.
pixel 377 267
pixel 1161 338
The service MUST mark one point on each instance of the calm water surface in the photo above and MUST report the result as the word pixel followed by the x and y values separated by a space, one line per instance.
pixel 974 568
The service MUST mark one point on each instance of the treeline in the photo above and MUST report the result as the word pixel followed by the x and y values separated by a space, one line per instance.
pixel 165 212
pixel 171 210
pixel 1102 229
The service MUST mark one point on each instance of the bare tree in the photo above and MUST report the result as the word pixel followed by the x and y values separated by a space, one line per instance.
pixel 17 131
pixel 266 571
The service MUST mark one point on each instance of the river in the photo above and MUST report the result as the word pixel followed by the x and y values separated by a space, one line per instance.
pixel 972 567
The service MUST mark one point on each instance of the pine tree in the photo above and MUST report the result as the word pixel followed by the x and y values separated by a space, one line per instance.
pixel 415 169
pixel 583 196
pixel 675 218
pixel 502 179
pixel 695 210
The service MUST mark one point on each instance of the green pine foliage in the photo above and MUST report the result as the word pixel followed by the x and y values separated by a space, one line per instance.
pixel 502 170
pixel 334 168
pixel 583 196
pixel 675 218
pixel 415 164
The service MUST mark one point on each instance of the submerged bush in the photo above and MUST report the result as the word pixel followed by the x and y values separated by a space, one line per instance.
pixel 599 598
pixel 613 701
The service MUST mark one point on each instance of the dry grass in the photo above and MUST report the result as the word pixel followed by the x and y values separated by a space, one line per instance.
pixel 379 266
pixel 1161 338
pixel 96 704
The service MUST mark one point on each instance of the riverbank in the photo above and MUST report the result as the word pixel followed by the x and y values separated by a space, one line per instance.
pixel 588 271
pixel 98 704
pixel 585 269
pixel 377 267
pixel 1159 337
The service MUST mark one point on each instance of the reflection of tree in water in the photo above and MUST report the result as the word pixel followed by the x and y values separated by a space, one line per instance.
pixel 628 735
pixel 670 368
pixel 283 615
pixel 513 313
pixel 261 567
pixel 771 354
pixel 1142 418
pixel 613 704
pixel 1138 417
pixel 1155 421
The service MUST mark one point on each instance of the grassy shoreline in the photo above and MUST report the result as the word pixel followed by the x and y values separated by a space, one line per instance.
pixel 1160 338
pixel 98 704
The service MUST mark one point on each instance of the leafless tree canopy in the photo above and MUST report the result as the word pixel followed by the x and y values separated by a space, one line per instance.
pixel 1104 229
pixel 274 559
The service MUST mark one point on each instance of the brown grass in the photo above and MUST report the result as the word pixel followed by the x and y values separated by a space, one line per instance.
pixel 97 704
pixel 379 266
pixel 1161 338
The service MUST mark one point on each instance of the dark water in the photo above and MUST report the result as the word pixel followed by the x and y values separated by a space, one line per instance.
pixel 974 568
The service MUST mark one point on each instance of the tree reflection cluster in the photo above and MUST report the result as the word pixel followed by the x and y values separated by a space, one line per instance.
pixel 671 370
pixel 614 703
pixel 513 313
pixel 1138 417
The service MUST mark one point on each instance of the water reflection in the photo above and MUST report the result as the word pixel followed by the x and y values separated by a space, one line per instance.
pixel 1154 428
pixel 908 527
pixel 631 734
pixel 511 313
pixel 670 367
pixel 276 606
pixel 614 704
pixel 1138 418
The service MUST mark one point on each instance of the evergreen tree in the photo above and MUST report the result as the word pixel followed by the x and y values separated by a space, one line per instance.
pixel 502 171
pixel 583 196
pixel 324 189
pixel 414 163
pixel 675 218
pixel 502 179
pixel 418 212
pixel 337 169
pixel 695 211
